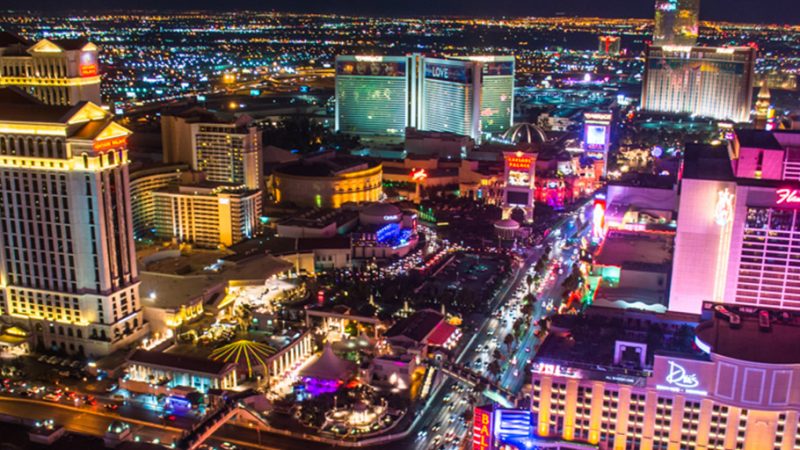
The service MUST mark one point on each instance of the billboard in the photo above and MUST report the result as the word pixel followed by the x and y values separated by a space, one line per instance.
pixel 502 68
pixel 88 64
pixel 482 428
pixel 596 135
pixel 682 376
pixel 371 68
pixel 448 72
pixel 788 197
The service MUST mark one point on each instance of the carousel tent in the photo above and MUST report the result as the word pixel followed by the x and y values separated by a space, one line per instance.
pixel 245 353
pixel 328 366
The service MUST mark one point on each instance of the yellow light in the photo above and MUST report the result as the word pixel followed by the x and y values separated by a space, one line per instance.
pixel 39 130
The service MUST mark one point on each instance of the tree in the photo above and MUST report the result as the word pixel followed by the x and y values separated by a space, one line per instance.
pixel 497 354
pixel 526 309
pixel 508 340
pixel 539 267
pixel 195 398
pixel 493 368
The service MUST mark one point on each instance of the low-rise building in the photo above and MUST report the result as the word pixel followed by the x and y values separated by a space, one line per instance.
pixel 154 372
pixel 327 180
pixel 207 214
pixel 656 381
pixel 144 182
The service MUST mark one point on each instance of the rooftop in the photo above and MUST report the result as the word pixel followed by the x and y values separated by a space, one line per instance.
pixel 646 251
pixel 172 291
pixel 589 340
pixel 179 362
pixel 325 165
pixel 758 139
pixel 775 343
pixel 417 326
pixel 707 162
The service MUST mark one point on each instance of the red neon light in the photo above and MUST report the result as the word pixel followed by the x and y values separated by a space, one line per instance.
pixel 481 434
pixel 88 70
pixel 788 196
pixel 418 175
pixel 519 162
pixel 108 144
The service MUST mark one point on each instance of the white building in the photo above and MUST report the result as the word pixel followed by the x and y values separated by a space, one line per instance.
pixel 68 265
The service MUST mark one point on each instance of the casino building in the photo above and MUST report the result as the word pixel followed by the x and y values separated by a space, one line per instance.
pixel 383 95
pixel 57 72
pixel 702 81
pixel 328 180
pixel 738 234
pixel 639 381
pixel 68 265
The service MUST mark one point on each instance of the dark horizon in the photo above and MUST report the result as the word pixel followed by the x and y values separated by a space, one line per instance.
pixel 742 11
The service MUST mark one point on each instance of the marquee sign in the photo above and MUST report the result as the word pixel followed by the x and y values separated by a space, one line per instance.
pixel 788 197
pixel 88 65
pixel 109 144
pixel 448 72
pixel 685 377
pixel 519 162
pixel 482 429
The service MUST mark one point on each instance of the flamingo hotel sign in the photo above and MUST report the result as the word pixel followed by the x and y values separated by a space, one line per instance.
pixel 788 197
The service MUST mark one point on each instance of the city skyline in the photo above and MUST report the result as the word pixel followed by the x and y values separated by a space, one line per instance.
pixel 738 11
pixel 256 230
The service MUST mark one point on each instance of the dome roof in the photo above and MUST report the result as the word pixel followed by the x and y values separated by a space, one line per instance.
pixel 381 210
pixel 507 224
pixel 525 133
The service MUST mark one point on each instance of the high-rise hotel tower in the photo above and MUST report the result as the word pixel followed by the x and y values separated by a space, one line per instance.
pixel 67 262
pixel 57 72
pixel 466 95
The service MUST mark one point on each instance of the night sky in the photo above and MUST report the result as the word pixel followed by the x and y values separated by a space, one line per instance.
pixel 772 11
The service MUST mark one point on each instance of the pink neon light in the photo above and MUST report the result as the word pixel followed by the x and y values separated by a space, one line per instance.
pixel 788 196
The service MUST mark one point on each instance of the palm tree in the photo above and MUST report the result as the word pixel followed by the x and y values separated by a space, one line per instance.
pixel 493 368
pixel 508 340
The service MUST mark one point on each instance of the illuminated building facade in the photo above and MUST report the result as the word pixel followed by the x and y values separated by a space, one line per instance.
pixel 225 149
pixel 68 265
pixel 676 22
pixel 57 72
pixel 608 45
pixel 143 183
pixel 738 235
pixel 497 92
pixel 373 95
pixel 208 214
pixel 701 81
pixel 597 136
pixel 328 181
pixel 383 95
pixel 520 177
pixel 729 385
pixel 450 99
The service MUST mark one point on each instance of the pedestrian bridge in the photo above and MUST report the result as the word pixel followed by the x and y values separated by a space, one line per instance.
pixel 231 409
pixel 492 390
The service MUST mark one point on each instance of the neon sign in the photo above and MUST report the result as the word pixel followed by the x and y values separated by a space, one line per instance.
pixel 418 175
pixel 598 219
pixel 88 65
pixel 482 430
pixel 519 162
pixel 108 144
pixel 678 376
pixel 679 380
pixel 724 208
pixel 89 70
pixel 788 196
